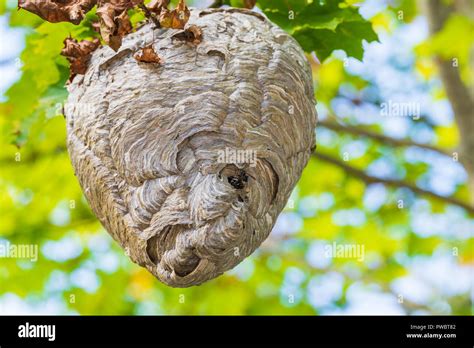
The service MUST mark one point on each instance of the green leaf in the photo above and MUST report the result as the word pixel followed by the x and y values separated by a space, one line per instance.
pixel 348 36
pixel 322 27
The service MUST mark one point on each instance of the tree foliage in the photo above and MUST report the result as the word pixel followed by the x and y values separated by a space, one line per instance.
pixel 81 270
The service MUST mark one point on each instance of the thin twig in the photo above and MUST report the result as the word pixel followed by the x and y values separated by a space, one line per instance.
pixel 369 179
pixel 380 137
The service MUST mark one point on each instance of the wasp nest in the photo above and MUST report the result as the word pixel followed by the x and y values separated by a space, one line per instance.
pixel 187 160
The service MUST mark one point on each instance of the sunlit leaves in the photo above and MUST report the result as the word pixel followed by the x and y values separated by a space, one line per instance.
pixel 330 75
pixel 404 10
pixel 441 44
pixel 448 137
pixel 332 206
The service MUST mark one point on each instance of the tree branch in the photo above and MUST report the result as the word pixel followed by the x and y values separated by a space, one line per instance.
pixel 379 137
pixel 458 94
pixel 369 179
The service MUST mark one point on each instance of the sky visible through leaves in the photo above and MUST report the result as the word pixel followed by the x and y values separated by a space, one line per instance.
pixel 415 252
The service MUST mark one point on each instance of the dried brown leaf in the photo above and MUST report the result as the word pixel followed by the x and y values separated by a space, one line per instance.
pixel 192 34
pixel 175 19
pixel 78 54
pixel 250 3
pixel 155 6
pixel 147 55
pixel 120 5
pixel 165 18
pixel 114 20
pixel 58 11
pixel 106 14
pixel 124 26
pixel 96 26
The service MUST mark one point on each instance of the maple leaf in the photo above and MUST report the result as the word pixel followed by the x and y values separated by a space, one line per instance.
pixel 58 11
pixel 175 19
pixel 147 55
pixel 78 54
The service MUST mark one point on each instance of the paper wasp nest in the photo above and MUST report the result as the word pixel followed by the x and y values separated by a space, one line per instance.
pixel 187 163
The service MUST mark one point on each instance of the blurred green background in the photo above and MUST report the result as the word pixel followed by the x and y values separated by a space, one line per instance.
pixel 379 182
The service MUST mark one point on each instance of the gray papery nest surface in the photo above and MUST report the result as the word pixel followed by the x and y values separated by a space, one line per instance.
pixel 188 163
